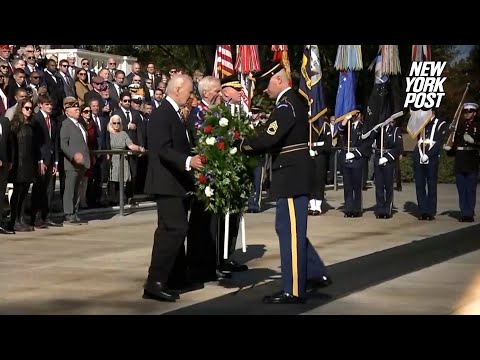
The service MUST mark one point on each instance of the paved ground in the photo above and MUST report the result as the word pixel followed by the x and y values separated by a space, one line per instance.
pixel 395 266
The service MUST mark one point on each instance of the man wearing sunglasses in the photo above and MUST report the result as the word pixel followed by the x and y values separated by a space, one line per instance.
pixel 466 145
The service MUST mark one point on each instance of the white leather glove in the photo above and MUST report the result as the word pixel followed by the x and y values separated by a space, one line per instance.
pixel 382 161
pixel 468 138
pixel 447 148
pixel 349 156
pixel 424 159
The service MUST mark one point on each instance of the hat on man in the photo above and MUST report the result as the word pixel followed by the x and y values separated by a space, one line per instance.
pixel 71 56
pixel 231 81
pixel 98 80
pixel 263 76
pixel 138 99
pixel 4 47
pixel 70 102
pixel 470 106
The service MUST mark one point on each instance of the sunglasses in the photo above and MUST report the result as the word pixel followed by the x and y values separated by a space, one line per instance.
pixel 85 63
pixel 28 108
pixel 3 66
pixel 82 74
pixel 469 111
pixel 127 101
pixel 64 65
pixel 86 111
pixel 115 123
pixel 35 77
pixel 31 58
pixel 112 63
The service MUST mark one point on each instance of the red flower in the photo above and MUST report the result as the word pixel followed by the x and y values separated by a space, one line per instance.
pixel 208 129
pixel 221 145
pixel 236 134
pixel 203 159
pixel 202 179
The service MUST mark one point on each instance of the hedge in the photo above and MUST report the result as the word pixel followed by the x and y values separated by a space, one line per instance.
pixel 445 169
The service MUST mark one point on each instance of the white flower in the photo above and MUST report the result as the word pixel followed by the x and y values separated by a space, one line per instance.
pixel 251 126
pixel 208 191
pixel 223 122
pixel 233 151
pixel 210 140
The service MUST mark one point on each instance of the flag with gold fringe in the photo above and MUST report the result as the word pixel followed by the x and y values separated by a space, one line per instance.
pixel 280 53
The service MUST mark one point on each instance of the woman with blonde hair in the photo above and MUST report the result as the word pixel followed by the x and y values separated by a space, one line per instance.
pixel 119 140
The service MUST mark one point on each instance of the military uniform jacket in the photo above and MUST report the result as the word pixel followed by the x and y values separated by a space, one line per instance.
pixel 392 143
pixel 322 143
pixel 358 146
pixel 467 156
pixel 285 136
pixel 434 136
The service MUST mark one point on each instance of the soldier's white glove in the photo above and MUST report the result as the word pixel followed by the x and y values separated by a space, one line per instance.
pixel 468 138
pixel 382 161
pixel 349 156
pixel 447 148
pixel 313 153
pixel 424 159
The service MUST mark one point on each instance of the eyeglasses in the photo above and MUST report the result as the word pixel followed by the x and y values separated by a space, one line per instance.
pixel 86 111
pixel 112 63
pixel 85 63
pixel 64 65
pixel 3 66
pixel 115 123
pixel 28 108
pixel 82 74
pixel 469 111
pixel 31 58
pixel 35 77
pixel 127 101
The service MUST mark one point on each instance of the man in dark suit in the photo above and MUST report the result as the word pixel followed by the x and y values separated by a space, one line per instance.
pixel 46 140
pixel 55 89
pixel 5 164
pixel 286 136
pixel 169 179
pixel 73 142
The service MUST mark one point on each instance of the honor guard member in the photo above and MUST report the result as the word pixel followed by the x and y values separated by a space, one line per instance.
pixel 320 152
pixel 285 136
pixel 351 156
pixel 425 166
pixel 384 161
pixel 466 145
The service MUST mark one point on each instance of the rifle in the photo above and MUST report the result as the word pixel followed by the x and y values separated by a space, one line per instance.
pixel 454 124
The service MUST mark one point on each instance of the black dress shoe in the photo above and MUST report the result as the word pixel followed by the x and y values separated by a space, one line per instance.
pixel 221 275
pixel 430 217
pixel 158 291
pixel 233 266
pixel 283 298
pixel 186 287
pixel 348 214
pixel 357 214
pixel 6 231
pixel 423 217
pixel 319 283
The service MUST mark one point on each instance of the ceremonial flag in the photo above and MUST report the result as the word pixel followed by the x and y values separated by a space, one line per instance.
pixel 346 100
pixel 311 84
pixel 247 62
pixel 223 62
pixel 280 53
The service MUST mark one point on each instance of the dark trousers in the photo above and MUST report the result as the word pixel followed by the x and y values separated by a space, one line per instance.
pixel 320 163
pixel 365 161
pixel 384 188
pixel 255 199
pixel 17 202
pixel 42 194
pixel 95 183
pixel 205 241
pixel 426 186
pixel 352 188
pixel 168 252
pixel 398 173
pixel 299 260
pixel 3 188
pixel 467 192
pixel 142 164
pixel 61 174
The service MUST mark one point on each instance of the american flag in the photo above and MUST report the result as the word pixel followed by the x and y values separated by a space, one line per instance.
pixel 247 62
pixel 223 62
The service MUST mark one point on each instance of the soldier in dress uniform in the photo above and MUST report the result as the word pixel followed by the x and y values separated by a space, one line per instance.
pixel 286 136
pixel 466 145
pixel 321 147
pixel 384 161
pixel 425 166
pixel 352 160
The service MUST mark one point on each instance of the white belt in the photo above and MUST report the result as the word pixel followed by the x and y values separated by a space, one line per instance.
pixel 321 143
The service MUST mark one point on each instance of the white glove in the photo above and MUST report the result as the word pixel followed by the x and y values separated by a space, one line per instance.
pixel 349 156
pixel 468 138
pixel 382 161
pixel 447 148
pixel 424 159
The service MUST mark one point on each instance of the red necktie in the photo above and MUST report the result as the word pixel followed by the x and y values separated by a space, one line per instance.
pixel 49 125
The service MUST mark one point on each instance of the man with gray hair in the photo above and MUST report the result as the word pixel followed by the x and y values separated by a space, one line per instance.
pixel 73 142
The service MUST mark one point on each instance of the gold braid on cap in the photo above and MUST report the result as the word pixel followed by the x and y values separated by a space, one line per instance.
pixel 233 84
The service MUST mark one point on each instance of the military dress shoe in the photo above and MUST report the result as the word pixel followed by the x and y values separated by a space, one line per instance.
pixel 50 222
pixel 423 217
pixel 318 283
pixel 221 275
pixel 233 266
pixel 283 298
pixel 158 291
pixel 6 231
pixel 466 219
